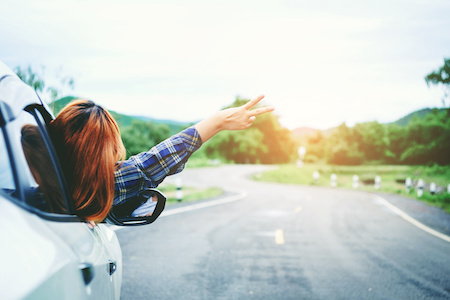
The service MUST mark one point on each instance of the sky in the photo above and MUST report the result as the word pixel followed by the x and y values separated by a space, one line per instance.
pixel 319 63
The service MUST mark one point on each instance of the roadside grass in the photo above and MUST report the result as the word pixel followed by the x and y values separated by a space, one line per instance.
pixel 392 178
pixel 189 193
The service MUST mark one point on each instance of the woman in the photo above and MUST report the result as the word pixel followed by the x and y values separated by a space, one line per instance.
pixel 91 152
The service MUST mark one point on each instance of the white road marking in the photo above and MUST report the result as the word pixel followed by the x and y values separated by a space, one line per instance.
pixel 279 237
pixel 224 200
pixel 180 210
pixel 298 209
pixel 412 220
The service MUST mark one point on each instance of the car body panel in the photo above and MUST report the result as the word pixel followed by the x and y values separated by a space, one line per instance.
pixel 44 257
pixel 32 255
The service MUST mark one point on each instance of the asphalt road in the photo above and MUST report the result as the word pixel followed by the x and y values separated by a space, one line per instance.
pixel 282 242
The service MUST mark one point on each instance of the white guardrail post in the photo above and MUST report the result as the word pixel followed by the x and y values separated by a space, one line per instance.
pixel 420 185
pixel 432 188
pixel 316 176
pixel 333 180
pixel 179 192
pixel 355 181
pixel 408 184
pixel 377 182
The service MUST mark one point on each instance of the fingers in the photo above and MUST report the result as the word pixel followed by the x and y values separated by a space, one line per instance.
pixel 253 102
pixel 261 110
pixel 250 122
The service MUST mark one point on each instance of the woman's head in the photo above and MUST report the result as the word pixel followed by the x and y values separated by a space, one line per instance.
pixel 88 143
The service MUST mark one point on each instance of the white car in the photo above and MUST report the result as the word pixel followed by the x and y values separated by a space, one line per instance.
pixel 46 251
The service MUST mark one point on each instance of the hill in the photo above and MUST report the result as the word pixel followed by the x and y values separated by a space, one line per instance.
pixel 122 119
pixel 421 113
pixel 301 133
pixel 59 104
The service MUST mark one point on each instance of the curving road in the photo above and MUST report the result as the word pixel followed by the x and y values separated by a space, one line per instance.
pixel 273 241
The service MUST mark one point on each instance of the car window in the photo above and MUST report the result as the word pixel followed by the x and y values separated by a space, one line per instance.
pixel 37 169
pixel 7 184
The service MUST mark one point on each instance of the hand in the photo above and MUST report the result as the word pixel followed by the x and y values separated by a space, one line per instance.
pixel 238 118
pixel 235 118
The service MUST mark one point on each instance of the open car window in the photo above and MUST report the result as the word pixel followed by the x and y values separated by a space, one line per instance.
pixel 30 168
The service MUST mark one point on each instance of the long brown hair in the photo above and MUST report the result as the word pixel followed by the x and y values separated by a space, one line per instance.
pixel 87 140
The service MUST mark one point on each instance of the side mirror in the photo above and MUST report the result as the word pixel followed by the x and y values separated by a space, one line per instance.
pixel 143 209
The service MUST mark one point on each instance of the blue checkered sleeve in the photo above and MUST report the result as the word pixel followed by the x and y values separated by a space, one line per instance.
pixel 148 169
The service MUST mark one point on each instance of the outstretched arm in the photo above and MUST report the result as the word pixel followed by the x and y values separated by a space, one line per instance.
pixel 235 118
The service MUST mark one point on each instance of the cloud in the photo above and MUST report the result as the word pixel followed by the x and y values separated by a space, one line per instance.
pixel 319 63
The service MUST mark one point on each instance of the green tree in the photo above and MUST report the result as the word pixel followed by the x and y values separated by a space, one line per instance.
pixel 371 139
pixel 428 140
pixel 238 146
pixel 265 142
pixel 315 147
pixel 140 136
pixel 441 77
pixel 397 143
pixel 31 77
pixel 35 79
pixel 342 148
pixel 345 154
pixel 278 139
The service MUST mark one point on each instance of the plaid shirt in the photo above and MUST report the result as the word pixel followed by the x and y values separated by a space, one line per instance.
pixel 148 169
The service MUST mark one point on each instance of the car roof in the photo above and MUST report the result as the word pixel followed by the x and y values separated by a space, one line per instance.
pixel 15 95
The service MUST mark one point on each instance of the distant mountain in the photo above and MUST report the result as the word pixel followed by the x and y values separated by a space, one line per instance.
pixel 421 113
pixel 124 120
pixel 302 133
pixel 59 104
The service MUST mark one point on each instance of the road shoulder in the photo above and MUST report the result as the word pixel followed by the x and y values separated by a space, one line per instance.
pixel 426 214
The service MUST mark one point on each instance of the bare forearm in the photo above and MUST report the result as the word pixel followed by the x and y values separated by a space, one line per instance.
pixel 209 127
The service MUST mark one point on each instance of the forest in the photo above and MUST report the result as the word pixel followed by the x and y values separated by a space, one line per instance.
pixel 422 141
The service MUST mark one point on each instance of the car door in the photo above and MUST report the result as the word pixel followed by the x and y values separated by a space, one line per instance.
pixel 98 257
pixel 47 249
